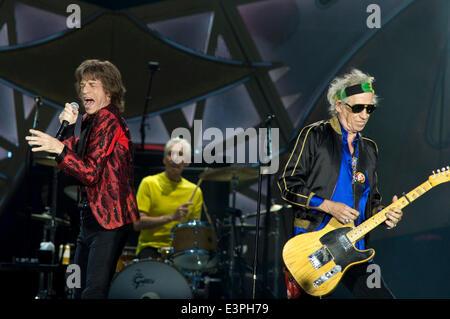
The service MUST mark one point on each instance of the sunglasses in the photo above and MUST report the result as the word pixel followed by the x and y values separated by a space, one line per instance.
pixel 357 108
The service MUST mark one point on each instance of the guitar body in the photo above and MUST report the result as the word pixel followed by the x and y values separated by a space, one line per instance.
pixel 318 260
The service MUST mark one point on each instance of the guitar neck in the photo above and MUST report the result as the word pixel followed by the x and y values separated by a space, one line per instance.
pixel 360 231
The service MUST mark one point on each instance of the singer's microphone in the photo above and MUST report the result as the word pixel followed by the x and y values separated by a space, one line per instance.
pixel 64 124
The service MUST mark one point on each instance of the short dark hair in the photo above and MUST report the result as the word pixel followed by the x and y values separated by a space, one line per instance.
pixel 108 74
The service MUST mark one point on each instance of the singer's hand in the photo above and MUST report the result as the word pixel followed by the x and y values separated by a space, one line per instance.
pixel 44 142
pixel 69 114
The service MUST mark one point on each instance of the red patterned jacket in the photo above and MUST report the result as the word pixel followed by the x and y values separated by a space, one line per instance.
pixel 105 168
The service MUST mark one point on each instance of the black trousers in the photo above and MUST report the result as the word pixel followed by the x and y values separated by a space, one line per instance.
pixel 97 253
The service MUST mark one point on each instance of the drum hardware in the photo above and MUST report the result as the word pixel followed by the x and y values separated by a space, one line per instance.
pixel 127 257
pixel 273 209
pixel 45 160
pixel 45 286
pixel 197 278
pixel 154 67
pixel 165 253
pixel 234 175
pixel 233 213
pixel 227 174
pixel 241 227
pixel 45 289
pixel 46 217
pixel 261 166
pixel 71 192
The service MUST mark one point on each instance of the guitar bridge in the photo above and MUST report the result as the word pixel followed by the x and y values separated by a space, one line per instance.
pixel 327 276
pixel 320 257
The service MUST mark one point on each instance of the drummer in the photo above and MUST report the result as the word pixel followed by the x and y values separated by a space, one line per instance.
pixel 165 200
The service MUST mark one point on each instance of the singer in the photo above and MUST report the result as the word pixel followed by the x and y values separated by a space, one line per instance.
pixel 101 160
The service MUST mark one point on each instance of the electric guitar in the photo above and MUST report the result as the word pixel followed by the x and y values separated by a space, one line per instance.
pixel 318 260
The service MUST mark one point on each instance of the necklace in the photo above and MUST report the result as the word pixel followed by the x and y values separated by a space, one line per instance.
pixel 354 164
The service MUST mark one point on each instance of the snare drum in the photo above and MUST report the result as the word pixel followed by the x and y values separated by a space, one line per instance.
pixel 194 245
pixel 149 279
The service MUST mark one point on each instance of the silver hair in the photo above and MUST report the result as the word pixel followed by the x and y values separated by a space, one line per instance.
pixel 176 140
pixel 354 77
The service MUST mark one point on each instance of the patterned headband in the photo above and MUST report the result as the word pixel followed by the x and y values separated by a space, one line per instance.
pixel 354 89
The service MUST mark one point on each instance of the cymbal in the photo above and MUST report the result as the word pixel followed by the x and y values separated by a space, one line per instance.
pixel 44 217
pixel 225 174
pixel 45 160
pixel 242 226
pixel 71 191
pixel 274 208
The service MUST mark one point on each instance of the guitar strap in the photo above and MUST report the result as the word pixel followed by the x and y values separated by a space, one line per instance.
pixel 358 183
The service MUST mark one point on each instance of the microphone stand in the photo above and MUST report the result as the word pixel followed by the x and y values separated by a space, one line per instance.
pixel 258 209
pixel 154 66
pixel 44 285
pixel 29 157
pixel 29 161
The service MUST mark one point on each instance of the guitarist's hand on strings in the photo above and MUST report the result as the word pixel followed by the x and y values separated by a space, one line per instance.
pixel 343 213
pixel 394 215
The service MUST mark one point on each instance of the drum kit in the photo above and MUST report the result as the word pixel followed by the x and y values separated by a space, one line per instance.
pixel 195 261
pixel 181 272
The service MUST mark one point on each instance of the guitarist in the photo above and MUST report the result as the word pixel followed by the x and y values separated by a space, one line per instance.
pixel 331 172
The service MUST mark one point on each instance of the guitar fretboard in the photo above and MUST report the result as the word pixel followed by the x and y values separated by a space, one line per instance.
pixel 358 232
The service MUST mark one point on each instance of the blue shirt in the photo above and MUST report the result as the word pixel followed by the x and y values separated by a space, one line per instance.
pixel 343 192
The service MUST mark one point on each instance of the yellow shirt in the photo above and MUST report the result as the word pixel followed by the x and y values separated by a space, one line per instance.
pixel 157 195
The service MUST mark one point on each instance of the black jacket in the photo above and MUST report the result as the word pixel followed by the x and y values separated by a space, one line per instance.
pixel 313 169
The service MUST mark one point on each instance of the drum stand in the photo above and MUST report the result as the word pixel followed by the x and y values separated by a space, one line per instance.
pixel 267 124
pixel 233 247
pixel 196 278
pixel 46 286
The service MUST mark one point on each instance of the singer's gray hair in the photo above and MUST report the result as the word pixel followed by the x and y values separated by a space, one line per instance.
pixel 339 83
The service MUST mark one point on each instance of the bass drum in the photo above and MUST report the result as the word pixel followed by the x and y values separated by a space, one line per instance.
pixel 149 279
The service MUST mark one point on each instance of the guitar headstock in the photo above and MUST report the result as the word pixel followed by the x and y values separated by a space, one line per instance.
pixel 440 176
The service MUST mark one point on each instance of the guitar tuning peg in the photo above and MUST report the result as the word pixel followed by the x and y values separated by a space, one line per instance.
pixel 448 168
pixel 434 173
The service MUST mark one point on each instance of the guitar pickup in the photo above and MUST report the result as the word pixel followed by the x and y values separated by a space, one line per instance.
pixel 345 242
pixel 320 257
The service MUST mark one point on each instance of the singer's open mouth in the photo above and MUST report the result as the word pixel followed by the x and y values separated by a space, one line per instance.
pixel 88 102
